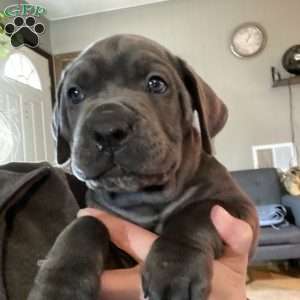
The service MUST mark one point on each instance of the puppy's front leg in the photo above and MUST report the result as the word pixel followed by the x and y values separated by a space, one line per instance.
pixel 179 265
pixel 71 269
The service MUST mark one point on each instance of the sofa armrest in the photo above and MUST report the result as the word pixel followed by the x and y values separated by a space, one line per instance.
pixel 293 203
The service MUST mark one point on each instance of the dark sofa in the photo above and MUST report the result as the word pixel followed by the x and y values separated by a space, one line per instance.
pixel 264 187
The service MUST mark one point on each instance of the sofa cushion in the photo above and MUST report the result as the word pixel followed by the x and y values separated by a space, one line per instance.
pixel 262 185
pixel 285 235
pixel 277 252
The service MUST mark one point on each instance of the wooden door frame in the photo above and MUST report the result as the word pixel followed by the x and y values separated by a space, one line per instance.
pixel 49 57
pixel 56 64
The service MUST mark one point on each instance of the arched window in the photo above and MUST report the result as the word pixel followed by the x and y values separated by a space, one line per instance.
pixel 19 67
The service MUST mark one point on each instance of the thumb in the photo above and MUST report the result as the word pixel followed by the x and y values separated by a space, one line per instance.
pixel 237 236
pixel 131 238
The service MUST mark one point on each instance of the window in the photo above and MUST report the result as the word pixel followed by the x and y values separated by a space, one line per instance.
pixel 18 67
pixel 281 156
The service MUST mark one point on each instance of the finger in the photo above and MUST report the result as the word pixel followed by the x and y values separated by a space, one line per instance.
pixel 236 234
pixel 113 284
pixel 133 239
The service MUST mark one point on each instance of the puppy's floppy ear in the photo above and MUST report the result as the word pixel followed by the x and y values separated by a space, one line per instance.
pixel 212 112
pixel 63 151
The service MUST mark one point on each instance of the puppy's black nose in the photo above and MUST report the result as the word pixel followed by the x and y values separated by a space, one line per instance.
pixel 112 126
pixel 111 136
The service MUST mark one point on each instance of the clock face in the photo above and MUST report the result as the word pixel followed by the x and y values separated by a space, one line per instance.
pixel 248 40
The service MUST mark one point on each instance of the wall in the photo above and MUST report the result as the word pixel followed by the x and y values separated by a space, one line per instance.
pixel 199 31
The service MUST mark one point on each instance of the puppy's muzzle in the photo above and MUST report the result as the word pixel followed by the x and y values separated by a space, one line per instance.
pixel 111 126
pixel 104 134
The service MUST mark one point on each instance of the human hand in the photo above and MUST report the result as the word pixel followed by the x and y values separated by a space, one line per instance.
pixel 229 272
pixel 136 241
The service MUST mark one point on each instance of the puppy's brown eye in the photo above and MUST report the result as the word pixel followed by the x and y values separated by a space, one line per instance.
pixel 156 85
pixel 75 95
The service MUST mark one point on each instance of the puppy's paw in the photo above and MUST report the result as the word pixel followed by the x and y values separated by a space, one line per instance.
pixel 72 267
pixel 176 272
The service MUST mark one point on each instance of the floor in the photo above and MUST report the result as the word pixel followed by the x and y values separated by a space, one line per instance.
pixel 274 282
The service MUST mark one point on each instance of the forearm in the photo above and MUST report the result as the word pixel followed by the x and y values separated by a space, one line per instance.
pixel 124 284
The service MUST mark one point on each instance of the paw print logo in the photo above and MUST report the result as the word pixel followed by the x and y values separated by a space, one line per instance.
pixel 24 31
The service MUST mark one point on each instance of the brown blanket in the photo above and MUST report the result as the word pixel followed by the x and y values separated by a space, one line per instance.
pixel 37 201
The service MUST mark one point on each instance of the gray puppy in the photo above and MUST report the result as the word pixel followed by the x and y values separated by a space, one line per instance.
pixel 123 120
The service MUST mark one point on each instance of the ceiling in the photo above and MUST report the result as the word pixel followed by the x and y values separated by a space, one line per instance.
pixel 60 9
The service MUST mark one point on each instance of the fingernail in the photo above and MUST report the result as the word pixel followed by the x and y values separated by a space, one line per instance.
pixel 90 212
pixel 219 214
pixel 81 213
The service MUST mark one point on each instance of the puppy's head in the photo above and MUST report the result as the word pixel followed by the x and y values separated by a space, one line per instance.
pixel 123 110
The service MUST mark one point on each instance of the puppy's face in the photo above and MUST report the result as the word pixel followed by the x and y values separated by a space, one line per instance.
pixel 122 113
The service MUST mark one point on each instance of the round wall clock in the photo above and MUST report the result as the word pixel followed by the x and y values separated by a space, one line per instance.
pixel 248 40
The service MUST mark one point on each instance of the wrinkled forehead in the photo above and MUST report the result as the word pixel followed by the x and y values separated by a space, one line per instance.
pixel 130 46
pixel 119 55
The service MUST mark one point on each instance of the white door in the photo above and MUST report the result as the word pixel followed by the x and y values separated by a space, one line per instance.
pixel 25 108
